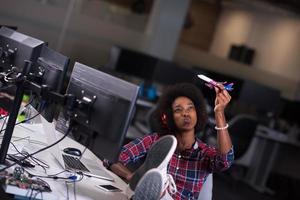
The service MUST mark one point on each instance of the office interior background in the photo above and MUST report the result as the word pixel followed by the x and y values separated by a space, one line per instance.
pixel 253 43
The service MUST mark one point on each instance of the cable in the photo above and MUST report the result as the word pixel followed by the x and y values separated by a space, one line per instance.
pixel 74 190
pixel 22 163
pixel 47 147
pixel 25 163
pixel 26 120
pixel 29 102
pixel 39 162
pixel 28 138
pixel 30 118
pixel 67 190
pixel 3 125
pixel 7 87
pixel 12 79
pixel 34 159
pixel 83 152
pixel 4 117
pixel 72 178
pixel 74 186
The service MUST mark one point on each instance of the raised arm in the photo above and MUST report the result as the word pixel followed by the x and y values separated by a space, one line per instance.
pixel 223 137
pixel 122 171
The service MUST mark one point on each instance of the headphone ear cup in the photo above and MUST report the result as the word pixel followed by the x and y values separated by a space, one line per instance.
pixel 164 120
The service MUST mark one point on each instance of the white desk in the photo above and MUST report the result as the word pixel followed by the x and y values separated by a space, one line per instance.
pixel 85 189
pixel 144 103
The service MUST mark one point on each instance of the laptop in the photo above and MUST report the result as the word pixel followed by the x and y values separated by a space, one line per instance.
pixel 72 163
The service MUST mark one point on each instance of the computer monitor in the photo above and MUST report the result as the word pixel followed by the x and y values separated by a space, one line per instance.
pixel 132 62
pixel 168 73
pixel 290 111
pixel 15 48
pixel 9 26
pixel 50 70
pixel 104 108
pixel 264 99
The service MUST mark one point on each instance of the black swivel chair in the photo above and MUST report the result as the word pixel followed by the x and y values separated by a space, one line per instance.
pixel 242 130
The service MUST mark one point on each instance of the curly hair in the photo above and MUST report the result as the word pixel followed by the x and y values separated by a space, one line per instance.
pixel 164 108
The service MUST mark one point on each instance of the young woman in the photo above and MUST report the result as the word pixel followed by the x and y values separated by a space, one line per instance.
pixel 181 112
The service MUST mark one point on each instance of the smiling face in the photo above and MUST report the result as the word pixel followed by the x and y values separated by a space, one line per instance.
pixel 184 113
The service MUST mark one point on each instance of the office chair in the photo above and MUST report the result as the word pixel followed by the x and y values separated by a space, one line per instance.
pixel 207 188
pixel 242 129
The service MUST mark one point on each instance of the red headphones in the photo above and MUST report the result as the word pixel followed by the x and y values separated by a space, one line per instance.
pixel 164 120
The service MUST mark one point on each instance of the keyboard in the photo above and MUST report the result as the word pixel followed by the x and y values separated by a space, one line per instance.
pixel 74 163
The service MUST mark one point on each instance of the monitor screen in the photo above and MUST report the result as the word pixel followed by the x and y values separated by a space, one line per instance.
pixel 169 73
pixel 290 112
pixel 264 99
pixel 105 106
pixel 50 70
pixel 9 26
pixel 132 62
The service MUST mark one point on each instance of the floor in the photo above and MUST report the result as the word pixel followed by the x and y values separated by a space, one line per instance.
pixel 226 188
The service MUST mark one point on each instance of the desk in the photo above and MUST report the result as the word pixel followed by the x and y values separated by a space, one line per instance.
pixel 268 143
pixel 85 189
pixel 144 103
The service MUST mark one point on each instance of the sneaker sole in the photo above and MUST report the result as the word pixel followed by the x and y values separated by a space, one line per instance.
pixel 157 157
pixel 149 187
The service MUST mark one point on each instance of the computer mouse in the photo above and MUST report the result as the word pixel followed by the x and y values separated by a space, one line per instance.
pixel 72 151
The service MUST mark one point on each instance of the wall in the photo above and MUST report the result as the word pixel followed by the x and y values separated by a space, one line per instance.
pixel 200 24
pixel 86 30
pixel 189 56
pixel 274 36
pixel 90 34
pixel 88 38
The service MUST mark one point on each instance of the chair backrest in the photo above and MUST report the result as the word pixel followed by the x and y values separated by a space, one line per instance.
pixel 206 190
pixel 242 129
pixel 151 122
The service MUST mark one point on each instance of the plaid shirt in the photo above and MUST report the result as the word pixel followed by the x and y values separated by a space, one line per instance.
pixel 188 168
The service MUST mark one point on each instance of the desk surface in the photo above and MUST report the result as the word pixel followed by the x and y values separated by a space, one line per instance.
pixel 144 103
pixel 287 161
pixel 277 136
pixel 271 151
pixel 85 189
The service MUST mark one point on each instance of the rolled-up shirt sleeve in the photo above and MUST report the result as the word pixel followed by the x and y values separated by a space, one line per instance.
pixel 218 161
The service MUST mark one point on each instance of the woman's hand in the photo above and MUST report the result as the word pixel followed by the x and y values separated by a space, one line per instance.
pixel 222 98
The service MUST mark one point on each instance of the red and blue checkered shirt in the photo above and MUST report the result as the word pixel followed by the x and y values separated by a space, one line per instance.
pixel 188 168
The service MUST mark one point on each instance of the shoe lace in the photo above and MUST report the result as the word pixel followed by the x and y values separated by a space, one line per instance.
pixel 171 186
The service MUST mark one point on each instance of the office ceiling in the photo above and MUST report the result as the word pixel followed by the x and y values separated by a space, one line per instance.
pixel 292 5
pixel 289 5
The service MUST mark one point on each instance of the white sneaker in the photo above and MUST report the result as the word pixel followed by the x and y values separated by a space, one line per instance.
pixel 150 187
pixel 157 157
